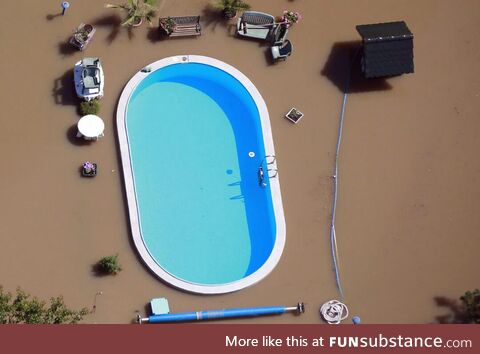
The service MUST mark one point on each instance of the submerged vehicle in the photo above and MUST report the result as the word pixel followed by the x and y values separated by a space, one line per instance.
pixel 89 79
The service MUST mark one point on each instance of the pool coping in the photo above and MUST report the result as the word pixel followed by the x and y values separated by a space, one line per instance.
pixel 135 226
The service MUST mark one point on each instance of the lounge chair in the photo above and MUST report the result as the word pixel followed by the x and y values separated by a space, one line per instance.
pixel 280 33
pixel 282 50
pixel 255 24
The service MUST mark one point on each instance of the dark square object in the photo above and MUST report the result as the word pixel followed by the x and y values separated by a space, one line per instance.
pixel 294 115
pixel 387 49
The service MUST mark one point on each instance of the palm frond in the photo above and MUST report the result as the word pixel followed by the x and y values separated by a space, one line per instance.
pixel 235 5
pixel 149 16
pixel 136 10
pixel 115 6
pixel 242 6
pixel 129 21
pixel 221 4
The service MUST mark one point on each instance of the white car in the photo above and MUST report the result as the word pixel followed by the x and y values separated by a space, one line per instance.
pixel 89 79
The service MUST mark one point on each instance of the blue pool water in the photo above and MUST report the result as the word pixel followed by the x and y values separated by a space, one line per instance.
pixel 204 217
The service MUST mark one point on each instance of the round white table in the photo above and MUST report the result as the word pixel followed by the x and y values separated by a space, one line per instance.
pixel 91 127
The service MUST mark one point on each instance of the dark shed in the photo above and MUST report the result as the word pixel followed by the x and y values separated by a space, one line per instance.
pixel 387 49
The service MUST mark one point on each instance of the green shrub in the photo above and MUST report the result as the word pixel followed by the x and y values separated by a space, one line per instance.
pixel 22 308
pixel 109 265
pixel 90 107
pixel 471 301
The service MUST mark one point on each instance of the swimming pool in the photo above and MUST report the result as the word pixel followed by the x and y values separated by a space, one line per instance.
pixel 194 137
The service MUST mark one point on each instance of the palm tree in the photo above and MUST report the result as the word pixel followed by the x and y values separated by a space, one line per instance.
pixel 230 7
pixel 136 11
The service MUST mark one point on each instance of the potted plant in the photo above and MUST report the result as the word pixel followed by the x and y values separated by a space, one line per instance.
pixel 89 169
pixel 82 32
pixel 290 17
pixel 230 7
pixel 168 25
pixel 82 36
pixel 136 11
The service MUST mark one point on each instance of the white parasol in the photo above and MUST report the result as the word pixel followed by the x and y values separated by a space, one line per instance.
pixel 91 126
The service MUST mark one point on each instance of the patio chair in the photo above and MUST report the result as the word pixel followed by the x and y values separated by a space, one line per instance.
pixel 255 24
pixel 282 51
pixel 280 33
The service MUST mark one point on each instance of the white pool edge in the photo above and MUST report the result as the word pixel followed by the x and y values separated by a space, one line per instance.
pixel 135 226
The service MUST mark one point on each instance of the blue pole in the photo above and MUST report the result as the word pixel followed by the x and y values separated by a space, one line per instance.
pixel 356 320
pixel 65 6
pixel 226 313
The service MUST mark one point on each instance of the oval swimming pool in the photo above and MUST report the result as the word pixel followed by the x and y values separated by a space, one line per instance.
pixel 195 141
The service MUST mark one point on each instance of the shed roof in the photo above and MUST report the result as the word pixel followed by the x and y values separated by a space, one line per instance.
pixel 387 49
pixel 382 31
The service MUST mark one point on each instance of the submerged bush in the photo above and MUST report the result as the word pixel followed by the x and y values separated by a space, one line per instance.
pixel 22 308
pixel 109 265
pixel 471 301
pixel 90 107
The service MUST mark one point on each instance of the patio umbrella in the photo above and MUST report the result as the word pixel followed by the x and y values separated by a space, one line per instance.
pixel 91 126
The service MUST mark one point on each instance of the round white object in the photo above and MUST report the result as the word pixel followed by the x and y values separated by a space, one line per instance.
pixel 91 126
pixel 251 154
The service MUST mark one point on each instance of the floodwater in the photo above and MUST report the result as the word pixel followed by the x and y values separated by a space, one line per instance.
pixel 407 216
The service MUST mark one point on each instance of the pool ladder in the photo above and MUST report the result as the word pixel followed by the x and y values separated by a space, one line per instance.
pixel 271 167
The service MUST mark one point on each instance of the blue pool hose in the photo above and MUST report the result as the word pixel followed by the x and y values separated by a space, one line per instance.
pixel 220 314
pixel 333 235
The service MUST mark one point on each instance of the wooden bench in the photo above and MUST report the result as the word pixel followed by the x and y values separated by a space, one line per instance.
pixel 180 26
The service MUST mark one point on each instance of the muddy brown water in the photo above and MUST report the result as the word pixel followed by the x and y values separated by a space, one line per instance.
pixel 407 217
